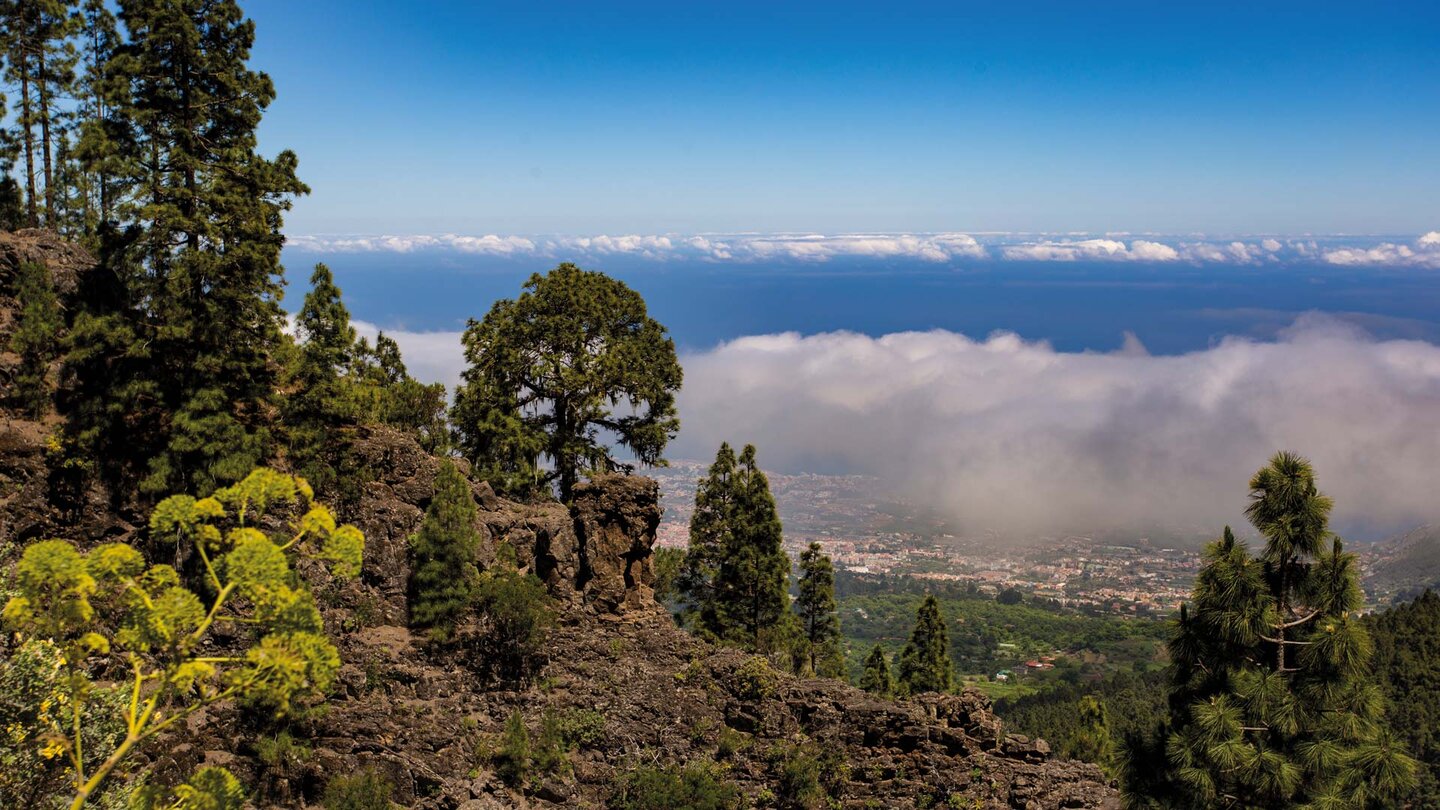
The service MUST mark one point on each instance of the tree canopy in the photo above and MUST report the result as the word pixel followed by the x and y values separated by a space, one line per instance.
pixel 547 375
pixel 925 664
pixel 1272 700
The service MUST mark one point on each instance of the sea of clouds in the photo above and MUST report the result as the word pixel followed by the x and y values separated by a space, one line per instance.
pixel 1009 435
pixel 1423 251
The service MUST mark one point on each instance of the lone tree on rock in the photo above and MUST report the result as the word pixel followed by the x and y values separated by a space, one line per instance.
pixel 925 664
pixel 548 375
pixel 1272 700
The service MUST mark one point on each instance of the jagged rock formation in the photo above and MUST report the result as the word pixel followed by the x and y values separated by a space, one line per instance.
pixel 647 692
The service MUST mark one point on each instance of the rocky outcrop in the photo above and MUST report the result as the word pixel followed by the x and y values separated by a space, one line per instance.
pixel 652 693
pixel 615 521
pixel 593 555
pixel 67 262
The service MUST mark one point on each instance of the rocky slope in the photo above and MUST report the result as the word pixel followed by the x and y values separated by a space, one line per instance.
pixel 639 690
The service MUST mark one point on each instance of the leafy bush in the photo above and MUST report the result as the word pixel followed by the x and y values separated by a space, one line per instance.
pixel 695 786
pixel 366 790
pixel 515 615
pixel 109 604
pixel 797 778
pixel 755 679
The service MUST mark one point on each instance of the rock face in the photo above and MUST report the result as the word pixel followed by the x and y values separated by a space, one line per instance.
pixel 651 692
pixel 594 555
pixel 27 501
pixel 615 520
pixel 67 263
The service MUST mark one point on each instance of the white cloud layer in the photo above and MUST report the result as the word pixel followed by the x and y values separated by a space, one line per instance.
pixel 1425 252
pixel 1009 435
pixel 940 248
pixel 1013 436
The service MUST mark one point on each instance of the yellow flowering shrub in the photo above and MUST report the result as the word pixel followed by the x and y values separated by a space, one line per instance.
pixel 110 606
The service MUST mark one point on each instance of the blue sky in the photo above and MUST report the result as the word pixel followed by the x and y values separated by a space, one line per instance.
pixel 576 118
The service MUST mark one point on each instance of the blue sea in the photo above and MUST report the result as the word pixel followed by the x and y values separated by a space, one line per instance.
pixel 1171 307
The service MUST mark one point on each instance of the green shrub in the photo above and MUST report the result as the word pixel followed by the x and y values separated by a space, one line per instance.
pixel 695 786
pixel 513 760
pixel 282 749
pixel 731 742
pixel 366 790
pixel 755 679
pixel 797 779
pixel 515 615
pixel 582 728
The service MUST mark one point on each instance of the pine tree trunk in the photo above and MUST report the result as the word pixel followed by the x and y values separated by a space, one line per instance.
pixel 26 124
pixel 44 98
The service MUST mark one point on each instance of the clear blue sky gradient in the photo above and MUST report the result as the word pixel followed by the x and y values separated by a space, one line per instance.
pixel 584 117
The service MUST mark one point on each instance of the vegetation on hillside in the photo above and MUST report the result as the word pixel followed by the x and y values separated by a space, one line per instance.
pixel 1407 668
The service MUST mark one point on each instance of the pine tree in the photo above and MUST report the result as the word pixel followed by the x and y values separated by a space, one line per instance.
pixel 513 760
pixel 1092 741
pixel 815 605
pixel 36 337
pixel 876 678
pixel 319 401
pixel 100 171
pixel 546 373
pixel 41 62
pixel 388 395
pixel 925 663
pixel 717 498
pixel 1272 701
pixel 210 211
pixel 443 573
pixel 751 597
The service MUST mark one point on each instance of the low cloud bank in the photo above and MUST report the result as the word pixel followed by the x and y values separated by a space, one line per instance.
pixel 1012 436
pixel 929 247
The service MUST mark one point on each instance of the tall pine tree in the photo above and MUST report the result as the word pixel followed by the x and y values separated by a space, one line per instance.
pixel 1272 701
pixel 815 605
pixel 40 62
pixel 199 258
pixel 319 401
pixel 443 571
pixel 717 498
pixel 925 664
pixel 751 597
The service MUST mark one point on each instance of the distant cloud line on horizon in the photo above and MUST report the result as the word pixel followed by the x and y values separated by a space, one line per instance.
pixel 1422 252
